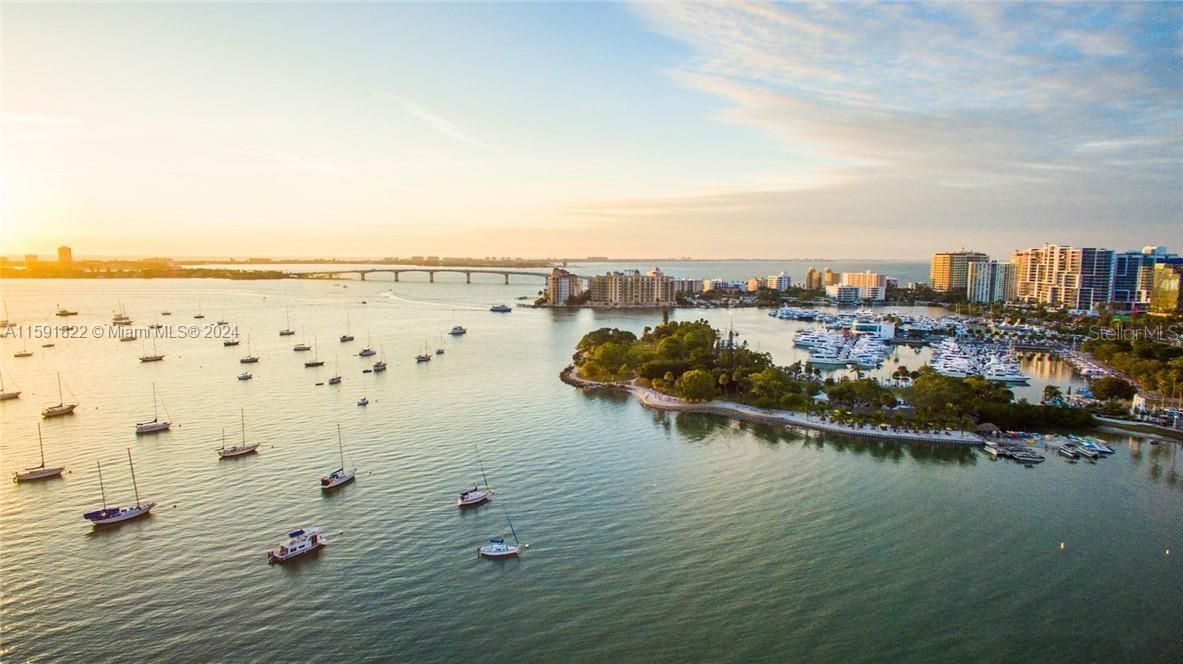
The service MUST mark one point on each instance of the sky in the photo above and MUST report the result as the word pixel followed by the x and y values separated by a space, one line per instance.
pixel 737 130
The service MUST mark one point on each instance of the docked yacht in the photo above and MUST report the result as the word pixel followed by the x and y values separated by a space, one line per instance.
pixel 305 540
pixel 1068 450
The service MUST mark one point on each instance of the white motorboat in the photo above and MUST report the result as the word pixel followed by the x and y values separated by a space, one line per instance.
pixel 246 375
pixel 300 542
pixel 41 472
pixel 457 331
pixel 110 515
pixel 500 309
pixel 363 401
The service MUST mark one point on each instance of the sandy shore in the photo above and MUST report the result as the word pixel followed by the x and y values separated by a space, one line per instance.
pixel 651 398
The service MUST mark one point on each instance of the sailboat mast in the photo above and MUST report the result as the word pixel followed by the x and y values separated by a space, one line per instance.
pixel 340 447
pixel 42 444
pixel 223 437
pixel 102 489
pixel 60 399
pixel 507 520
pixel 155 413
pixel 241 414
pixel 134 486
pixel 482 465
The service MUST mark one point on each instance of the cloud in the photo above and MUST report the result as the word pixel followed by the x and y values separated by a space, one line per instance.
pixel 914 87
pixel 298 162
pixel 439 124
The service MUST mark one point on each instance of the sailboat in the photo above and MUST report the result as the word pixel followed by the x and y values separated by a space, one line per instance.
pixel 237 450
pixel 315 361
pixel 23 352
pixel 5 395
pixel 439 350
pixel 368 350
pixel 232 341
pixel 302 346
pixel 37 472
pixel 62 311
pixel 347 336
pixel 154 357
pixel 339 476
pixel 335 379
pixel 287 331
pixel 62 408
pixel 474 496
pixel 249 359
pixel 198 315
pixel 380 365
pixel 497 546
pixel 109 515
pixel 222 320
pixel 423 357
pixel 155 425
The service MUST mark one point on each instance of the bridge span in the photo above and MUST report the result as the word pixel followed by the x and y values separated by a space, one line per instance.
pixel 431 272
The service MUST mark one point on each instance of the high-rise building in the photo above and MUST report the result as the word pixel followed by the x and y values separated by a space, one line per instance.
pixel 950 269
pixel 65 255
pixel 780 282
pixel 813 279
pixel 830 278
pixel 1133 275
pixel 867 279
pixel 991 282
pixel 1166 292
pixel 31 259
pixel 631 288
pixel 844 294
pixel 562 286
pixel 1065 276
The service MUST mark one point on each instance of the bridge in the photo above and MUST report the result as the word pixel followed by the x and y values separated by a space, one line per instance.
pixel 431 272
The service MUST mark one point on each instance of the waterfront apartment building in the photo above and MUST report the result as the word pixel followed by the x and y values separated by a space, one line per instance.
pixel 633 289
pixel 687 286
pixel 1076 278
pixel 723 285
pixel 813 279
pixel 65 256
pixel 1166 292
pixel 830 278
pixel 780 282
pixel 844 294
pixel 992 282
pixel 950 269
pixel 562 287
pixel 868 278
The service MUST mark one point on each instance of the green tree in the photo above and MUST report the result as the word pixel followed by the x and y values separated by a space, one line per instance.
pixel 695 385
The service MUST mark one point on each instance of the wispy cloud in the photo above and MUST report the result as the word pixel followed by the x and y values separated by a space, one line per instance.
pixel 923 90
pixel 298 162
pixel 440 124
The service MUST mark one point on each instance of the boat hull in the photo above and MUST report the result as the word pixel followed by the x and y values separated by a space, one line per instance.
pixel 58 411
pixel 331 483
pixel 237 451
pixel 499 552
pixel 5 396
pixel 152 427
pixel 122 515
pixel 39 474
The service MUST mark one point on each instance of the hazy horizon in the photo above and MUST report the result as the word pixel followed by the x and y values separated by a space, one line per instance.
pixel 881 131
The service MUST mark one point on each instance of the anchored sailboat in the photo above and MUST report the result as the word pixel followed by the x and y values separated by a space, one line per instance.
pixel 497 546
pixel 287 331
pixel 335 379
pixel 474 496
pixel 240 449
pixel 250 357
pixel 5 395
pixel 315 361
pixel 109 515
pixel 347 336
pixel 62 408
pixel 339 476
pixel 155 356
pixel 155 425
pixel 37 472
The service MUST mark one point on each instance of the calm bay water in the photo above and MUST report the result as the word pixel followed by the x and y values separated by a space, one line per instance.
pixel 652 536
